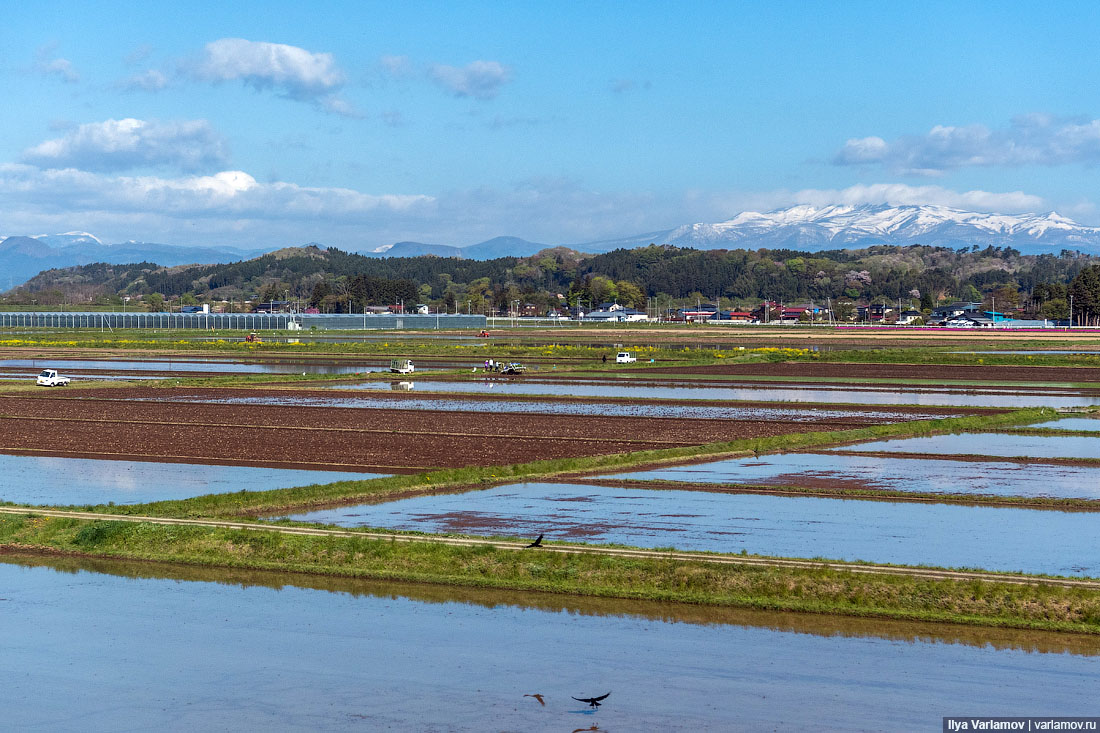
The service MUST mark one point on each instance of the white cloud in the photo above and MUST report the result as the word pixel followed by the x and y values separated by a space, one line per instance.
pixel 717 207
pixel 224 194
pixel 139 54
pixel 59 67
pixel 147 81
pixel 295 72
pixel 898 194
pixel 232 207
pixel 114 145
pixel 478 79
pixel 1028 140
pixel 398 67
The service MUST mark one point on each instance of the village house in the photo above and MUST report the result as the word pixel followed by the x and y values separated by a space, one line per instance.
pixel 958 308
pixel 874 312
pixel 906 317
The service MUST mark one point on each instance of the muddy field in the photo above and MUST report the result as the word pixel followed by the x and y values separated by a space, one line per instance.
pixel 796 370
pixel 112 423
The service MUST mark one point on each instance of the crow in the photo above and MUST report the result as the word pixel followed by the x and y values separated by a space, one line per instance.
pixel 538 696
pixel 536 543
pixel 592 701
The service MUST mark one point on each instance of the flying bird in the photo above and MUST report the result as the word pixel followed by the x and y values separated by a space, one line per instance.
pixel 538 697
pixel 536 543
pixel 592 701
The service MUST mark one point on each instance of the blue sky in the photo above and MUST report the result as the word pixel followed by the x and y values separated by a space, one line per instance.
pixel 358 124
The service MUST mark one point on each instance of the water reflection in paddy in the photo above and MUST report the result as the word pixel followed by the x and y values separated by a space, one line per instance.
pixel 893 474
pixel 1070 423
pixel 568 408
pixel 48 480
pixel 989 444
pixel 892 395
pixel 176 654
pixel 1058 543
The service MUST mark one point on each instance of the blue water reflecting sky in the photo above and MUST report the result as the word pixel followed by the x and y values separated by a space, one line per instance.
pixel 94 652
pixel 48 480
pixel 943 535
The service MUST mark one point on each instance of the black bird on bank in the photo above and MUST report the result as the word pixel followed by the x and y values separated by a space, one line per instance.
pixel 536 543
pixel 592 701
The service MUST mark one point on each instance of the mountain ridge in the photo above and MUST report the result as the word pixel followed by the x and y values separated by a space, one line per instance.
pixel 803 227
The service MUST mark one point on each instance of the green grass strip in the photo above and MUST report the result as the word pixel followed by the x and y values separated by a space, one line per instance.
pixel 837 591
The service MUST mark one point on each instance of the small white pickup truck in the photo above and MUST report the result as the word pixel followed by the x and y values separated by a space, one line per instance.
pixel 50 378
pixel 625 357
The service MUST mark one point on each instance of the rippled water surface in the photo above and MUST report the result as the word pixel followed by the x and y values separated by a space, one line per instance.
pixel 990 444
pixel 93 651
pixel 894 474
pixel 566 408
pixel 872 395
pixel 1071 423
pixel 48 480
pixel 943 535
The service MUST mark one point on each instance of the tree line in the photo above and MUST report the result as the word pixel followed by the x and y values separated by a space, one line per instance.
pixel 336 281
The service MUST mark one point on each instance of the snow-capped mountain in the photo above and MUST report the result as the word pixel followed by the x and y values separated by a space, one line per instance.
pixel 828 227
pixel 68 239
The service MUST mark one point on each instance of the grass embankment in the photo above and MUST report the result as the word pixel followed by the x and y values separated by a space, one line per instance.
pixel 987 603
pixel 948 357
pixel 252 503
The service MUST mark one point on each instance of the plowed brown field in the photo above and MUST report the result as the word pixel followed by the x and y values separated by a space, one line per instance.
pixel 115 423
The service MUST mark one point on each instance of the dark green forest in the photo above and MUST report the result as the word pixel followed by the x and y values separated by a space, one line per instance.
pixel 657 276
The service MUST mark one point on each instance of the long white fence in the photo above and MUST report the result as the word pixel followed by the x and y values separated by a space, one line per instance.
pixel 236 321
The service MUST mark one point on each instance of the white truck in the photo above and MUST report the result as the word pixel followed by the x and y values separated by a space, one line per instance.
pixel 50 378
pixel 625 357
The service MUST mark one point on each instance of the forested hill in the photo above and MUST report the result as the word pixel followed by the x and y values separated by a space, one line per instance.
pixel 338 281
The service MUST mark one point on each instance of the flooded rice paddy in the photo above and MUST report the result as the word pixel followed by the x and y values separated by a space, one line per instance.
pixel 893 474
pixel 548 407
pixel 96 651
pixel 1006 445
pixel 885 395
pixel 1071 423
pixel 66 481
pixel 943 535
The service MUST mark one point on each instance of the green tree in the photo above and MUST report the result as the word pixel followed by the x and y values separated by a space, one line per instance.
pixel 603 290
pixel 1056 309
pixel 154 302
pixel 1085 292
pixel 630 294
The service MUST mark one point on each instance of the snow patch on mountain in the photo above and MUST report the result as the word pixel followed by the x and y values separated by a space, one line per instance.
pixel 817 227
